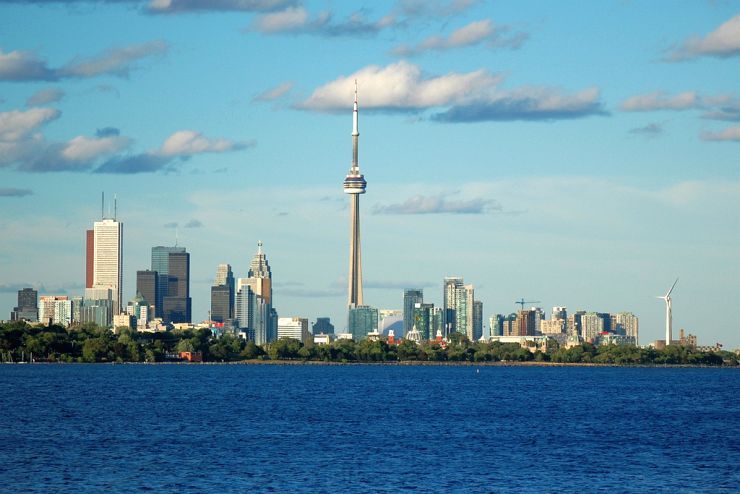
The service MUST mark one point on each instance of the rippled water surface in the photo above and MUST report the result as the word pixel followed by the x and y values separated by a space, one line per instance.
pixel 274 428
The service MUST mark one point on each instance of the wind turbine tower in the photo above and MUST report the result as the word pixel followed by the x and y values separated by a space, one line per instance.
pixel 668 314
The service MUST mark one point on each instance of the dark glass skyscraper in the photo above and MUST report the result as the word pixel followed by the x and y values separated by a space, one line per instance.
pixel 161 264
pixel 411 297
pixel 177 304
pixel 222 295
pixel 146 285
pixel 27 309
pixel 222 303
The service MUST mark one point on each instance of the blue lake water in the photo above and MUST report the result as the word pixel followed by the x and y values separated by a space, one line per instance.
pixel 240 428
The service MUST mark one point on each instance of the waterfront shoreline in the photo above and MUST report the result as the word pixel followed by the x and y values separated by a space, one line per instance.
pixel 405 363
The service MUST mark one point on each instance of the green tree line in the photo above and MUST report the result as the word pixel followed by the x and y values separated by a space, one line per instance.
pixel 90 343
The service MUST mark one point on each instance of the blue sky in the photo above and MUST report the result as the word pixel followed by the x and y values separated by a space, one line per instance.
pixel 577 154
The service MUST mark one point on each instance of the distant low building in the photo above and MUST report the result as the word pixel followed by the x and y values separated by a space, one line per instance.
pixel 531 343
pixel 321 339
pixel 293 327
pixel 322 325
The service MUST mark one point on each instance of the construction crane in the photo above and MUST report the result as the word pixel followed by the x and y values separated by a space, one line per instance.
pixel 522 302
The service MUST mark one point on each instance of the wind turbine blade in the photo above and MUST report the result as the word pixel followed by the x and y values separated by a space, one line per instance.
pixel 672 287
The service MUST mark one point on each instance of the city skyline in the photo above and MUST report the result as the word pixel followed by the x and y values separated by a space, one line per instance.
pixel 528 148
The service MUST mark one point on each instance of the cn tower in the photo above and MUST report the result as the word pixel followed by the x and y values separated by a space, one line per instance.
pixel 354 185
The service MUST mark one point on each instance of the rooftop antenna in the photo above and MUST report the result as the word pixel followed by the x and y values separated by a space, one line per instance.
pixel 115 207
pixel 176 232
pixel 102 206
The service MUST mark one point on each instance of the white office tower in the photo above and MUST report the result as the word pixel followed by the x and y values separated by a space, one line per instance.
pixel 108 259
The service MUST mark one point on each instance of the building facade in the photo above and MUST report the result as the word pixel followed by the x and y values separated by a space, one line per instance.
pixel 177 304
pixel 411 297
pixel 108 258
pixel 27 309
pixel 293 327
pixel 363 320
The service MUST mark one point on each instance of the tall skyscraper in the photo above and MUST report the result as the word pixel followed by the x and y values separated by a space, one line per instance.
pixel 363 319
pixel 477 320
pixel 254 311
pixel 259 269
pixel 222 294
pixel 449 303
pixel 425 320
pixel 411 297
pixel 161 264
pixel 146 284
pixel 224 275
pixel 89 258
pixel 354 185
pixel 108 258
pixel 27 309
pixel 177 304
pixel 458 307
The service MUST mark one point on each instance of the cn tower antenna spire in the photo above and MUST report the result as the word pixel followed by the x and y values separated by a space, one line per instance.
pixel 354 185
pixel 355 126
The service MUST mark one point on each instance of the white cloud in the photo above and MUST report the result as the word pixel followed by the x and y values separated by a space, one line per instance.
pixel 650 130
pixel 659 100
pixel 297 20
pixel 274 93
pixel 472 34
pixel 189 142
pixel 83 148
pixel 434 8
pixel 723 42
pixel 25 66
pixel 401 86
pixel 460 97
pixel 179 6
pixel 285 20
pixel 438 204
pixel 728 134
pixel 16 125
pixel 21 66
pixel 116 61
pixel 45 96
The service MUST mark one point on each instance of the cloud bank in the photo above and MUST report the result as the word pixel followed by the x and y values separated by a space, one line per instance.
pixel 659 100
pixel 650 130
pixel 457 97
pixel 438 204
pixel 183 6
pixel 723 42
pixel 475 33
pixel 297 20
pixel 729 134
pixel 13 192
pixel 23 147
pixel 23 66
pixel 274 93
pixel 45 96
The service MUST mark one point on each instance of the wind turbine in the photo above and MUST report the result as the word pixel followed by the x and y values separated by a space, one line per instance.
pixel 668 314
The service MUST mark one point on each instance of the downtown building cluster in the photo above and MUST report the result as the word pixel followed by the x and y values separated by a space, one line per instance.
pixel 245 305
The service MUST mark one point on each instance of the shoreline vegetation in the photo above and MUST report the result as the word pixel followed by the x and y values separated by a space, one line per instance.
pixel 88 343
